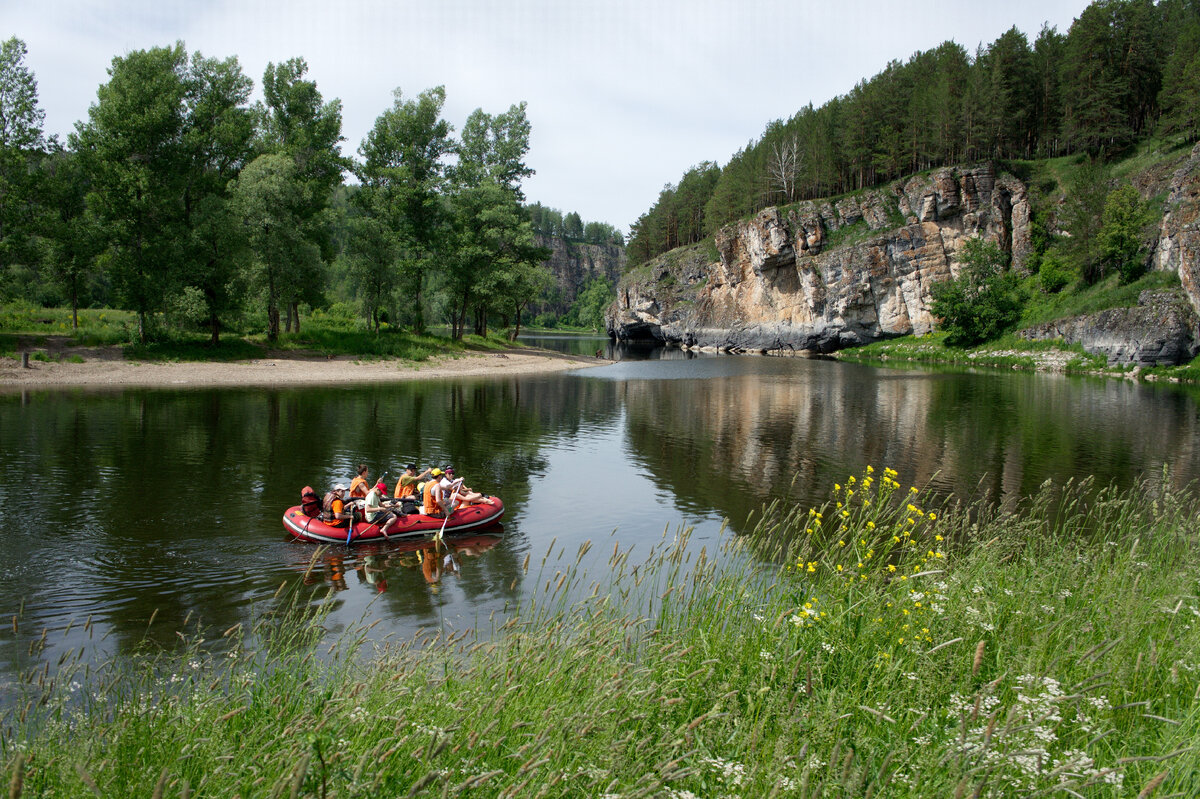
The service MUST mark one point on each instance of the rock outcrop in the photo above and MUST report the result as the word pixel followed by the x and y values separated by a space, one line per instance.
pixel 820 275
pixel 573 264
pixel 823 275
pixel 1178 246
pixel 1161 330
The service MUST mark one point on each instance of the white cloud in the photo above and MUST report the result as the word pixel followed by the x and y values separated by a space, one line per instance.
pixel 623 96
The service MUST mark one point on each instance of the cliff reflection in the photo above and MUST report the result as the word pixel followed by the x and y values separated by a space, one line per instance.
pixel 736 441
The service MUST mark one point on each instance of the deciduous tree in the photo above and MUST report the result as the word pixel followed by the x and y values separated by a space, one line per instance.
pixel 133 149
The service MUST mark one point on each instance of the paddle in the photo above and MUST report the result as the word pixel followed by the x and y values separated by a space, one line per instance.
pixel 453 507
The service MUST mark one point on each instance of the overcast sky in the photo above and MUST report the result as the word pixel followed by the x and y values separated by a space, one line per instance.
pixel 623 95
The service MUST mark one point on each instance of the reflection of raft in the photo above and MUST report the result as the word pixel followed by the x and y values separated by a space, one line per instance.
pixel 413 525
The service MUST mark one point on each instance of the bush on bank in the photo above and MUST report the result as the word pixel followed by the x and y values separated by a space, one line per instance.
pixel 894 649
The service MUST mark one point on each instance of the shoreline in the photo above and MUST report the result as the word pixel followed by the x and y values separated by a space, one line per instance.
pixel 102 372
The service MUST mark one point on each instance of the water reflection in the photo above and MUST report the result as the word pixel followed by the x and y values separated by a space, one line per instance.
pixel 375 565
pixel 173 498
pixel 604 347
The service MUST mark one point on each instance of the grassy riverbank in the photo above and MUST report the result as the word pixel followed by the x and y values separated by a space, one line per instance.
pixel 49 333
pixel 1013 352
pixel 896 650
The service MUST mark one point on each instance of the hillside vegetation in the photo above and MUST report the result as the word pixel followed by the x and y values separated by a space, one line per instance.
pixel 1122 73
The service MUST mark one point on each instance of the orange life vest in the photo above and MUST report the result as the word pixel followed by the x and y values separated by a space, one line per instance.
pixel 431 508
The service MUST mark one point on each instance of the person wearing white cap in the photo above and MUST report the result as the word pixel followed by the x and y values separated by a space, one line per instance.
pixel 333 506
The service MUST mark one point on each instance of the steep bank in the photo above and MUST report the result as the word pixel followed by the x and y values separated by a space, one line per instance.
pixel 824 275
pixel 573 264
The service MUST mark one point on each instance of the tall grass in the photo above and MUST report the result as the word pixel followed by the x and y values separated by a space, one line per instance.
pixel 894 649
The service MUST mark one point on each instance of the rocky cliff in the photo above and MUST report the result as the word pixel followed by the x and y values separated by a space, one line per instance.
pixel 824 275
pixel 573 264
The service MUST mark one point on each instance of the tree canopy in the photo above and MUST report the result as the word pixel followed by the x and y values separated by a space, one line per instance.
pixel 1124 69
pixel 178 199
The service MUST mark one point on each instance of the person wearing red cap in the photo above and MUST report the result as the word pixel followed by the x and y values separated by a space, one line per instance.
pixel 377 511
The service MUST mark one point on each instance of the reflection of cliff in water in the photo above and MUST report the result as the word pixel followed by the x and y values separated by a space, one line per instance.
pixel 734 442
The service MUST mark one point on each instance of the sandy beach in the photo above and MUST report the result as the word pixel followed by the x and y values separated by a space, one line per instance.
pixel 109 369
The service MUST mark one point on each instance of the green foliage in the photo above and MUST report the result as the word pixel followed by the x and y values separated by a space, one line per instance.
pixel 21 143
pixel 273 202
pixel 593 300
pixel 1054 274
pixel 1082 211
pixel 678 218
pixel 1085 299
pixel 493 148
pixel 1122 234
pixel 132 145
pixel 1094 88
pixel 186 308
pixel 853 233
pixel 983 301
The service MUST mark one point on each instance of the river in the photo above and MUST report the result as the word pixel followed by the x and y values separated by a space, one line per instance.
pixel 127 505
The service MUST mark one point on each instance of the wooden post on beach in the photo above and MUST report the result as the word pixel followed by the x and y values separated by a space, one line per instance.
pixel 25 359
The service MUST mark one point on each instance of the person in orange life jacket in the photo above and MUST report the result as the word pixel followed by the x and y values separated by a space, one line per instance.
pixel 333 507
pixel 377 510
pixel 431 494
pixel 358 486
pixel 466 496
pixel 407 486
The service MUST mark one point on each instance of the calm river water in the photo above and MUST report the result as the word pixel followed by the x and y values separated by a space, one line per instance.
pixel 123 504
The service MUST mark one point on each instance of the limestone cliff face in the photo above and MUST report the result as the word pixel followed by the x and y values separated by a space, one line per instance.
pixel 573 264
pixel 821 275
pixel 1178 246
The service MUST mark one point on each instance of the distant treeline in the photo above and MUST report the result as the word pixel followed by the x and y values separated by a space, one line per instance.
pixel 180 200
pixel 1125 70
pixel 552 222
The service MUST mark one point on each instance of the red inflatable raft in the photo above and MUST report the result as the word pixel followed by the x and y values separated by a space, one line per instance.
pixel 413 525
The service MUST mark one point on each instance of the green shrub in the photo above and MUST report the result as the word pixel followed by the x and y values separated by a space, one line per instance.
pixel 983 301
pixel 1054 274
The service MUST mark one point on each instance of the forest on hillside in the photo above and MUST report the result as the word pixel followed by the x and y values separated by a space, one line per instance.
pixel 1126 70
pixel 180 200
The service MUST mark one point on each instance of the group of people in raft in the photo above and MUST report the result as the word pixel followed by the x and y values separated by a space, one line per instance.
pixel 437 491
